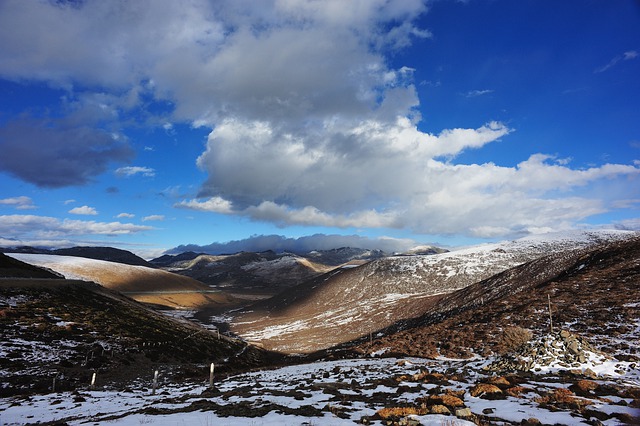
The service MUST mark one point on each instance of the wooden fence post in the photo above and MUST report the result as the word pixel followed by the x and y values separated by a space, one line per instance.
pixel 155 382
pixel 211 369
pixel 93 381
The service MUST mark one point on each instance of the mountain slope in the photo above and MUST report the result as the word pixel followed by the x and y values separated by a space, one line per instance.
pixel 264 273
pixel 69 329
pixel 13 268
pixel 594 293
pixel 141 283
pixel 348 303
pixel 109 254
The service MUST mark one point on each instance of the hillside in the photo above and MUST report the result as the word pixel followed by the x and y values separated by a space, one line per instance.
pixel 247 274
pixel 351 302
pixel 13 268
pixel 141 283
pixel 594 293
pixel 69 329
pixel 109 254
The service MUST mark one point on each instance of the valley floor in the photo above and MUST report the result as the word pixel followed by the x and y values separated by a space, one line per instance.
pixel 346 392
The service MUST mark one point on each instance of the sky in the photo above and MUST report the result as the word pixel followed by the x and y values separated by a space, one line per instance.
pixel 154 125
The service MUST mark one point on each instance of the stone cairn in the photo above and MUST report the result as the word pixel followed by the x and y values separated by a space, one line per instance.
pixel 560 349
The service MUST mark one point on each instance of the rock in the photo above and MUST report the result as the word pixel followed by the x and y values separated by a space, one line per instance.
pixel 463 412
pixel 488 411
pixel 531 421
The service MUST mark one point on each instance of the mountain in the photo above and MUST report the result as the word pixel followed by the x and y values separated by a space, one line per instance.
pixel 141 283
pixel 13 268
pixel 63 330
pixel 339 256
pixel 109 254
pixel 593 293
pixel 351 302
pixel 246 273
pixel 168 259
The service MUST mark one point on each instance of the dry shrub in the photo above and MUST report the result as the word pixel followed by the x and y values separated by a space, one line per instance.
pixel 563 397
pixel 584 387
pixel 499 381
pixel 446 399
pixel 512 339
pixel 515 391
pixel 395 412
pixel 483 389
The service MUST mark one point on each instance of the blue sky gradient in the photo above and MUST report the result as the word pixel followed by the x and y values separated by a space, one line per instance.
pixel 153 124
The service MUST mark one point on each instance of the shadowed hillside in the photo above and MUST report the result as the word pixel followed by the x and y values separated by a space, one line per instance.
pixel 70 329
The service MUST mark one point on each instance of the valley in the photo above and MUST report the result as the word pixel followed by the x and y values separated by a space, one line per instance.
pixel 541 330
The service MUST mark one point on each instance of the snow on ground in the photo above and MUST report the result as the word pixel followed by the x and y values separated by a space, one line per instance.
pixel 323 393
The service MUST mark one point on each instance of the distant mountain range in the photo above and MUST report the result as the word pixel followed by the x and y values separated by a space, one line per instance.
pixel 264 273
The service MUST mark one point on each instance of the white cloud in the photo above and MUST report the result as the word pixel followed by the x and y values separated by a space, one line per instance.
pixel 84 210
pixel 134 170
pixel 153 217
pixel 213 205
pixel 126 215
pixel 19 203
pixel 310 124
pixel 29 227
pixel 476 93
pixel 626 56
pixel 67 202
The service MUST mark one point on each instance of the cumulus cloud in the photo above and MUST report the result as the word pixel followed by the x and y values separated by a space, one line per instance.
pixel 153 217
pixel 279 243
pixel 84 210
pixel 310 125
pixel 30 227
pixel 126 215
pixel 135 170
pixel 57 153
pixel 19 203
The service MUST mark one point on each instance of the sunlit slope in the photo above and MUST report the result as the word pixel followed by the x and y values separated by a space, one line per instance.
pixel 141 283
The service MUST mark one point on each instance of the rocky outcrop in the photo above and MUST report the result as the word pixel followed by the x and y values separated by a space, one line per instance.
pixel 560 349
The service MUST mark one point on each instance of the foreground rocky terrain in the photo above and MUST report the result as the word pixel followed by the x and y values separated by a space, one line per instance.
pixel 68 329
pixel 553 340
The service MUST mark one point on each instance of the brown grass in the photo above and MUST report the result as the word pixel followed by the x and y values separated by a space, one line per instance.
pixel 394 412
pixel 484 388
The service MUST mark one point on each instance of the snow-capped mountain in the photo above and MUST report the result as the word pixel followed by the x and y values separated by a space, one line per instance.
pixel 347 303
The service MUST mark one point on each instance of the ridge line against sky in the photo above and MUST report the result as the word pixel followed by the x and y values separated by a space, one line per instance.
pixel 148 125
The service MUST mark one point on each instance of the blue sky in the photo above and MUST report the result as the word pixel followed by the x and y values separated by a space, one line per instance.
pixel 149 125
